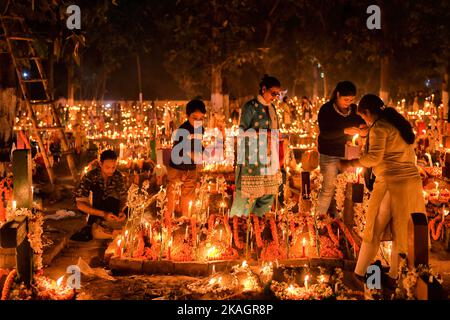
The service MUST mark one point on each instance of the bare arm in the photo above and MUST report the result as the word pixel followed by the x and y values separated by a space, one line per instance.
pixel 86 208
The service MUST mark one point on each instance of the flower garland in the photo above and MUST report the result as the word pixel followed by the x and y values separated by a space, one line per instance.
pixel 347 234
pixel 257 228
pixel 333 237
pixel 228 229
pixel 210 224
pixel 8 284
pixel 436 233
pixel 238 244
pixel 273 229
pixel 35 231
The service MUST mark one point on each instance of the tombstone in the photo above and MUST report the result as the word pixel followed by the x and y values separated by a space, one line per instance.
pixel 13 234
pixel 426 288
pixel 417 240
pixel 22 173
pixel 306 185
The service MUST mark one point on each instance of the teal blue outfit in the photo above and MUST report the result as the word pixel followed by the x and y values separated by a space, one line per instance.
pixel 257 182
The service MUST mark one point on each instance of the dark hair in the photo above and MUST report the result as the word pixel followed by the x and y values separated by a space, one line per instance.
pixel 345 88
pixel 108 155
pixel 268 82
pixel 375 105
pixel 195 105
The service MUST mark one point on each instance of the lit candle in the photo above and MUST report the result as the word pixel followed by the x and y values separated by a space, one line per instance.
pixel 186 233
pixel 169 249
pixel 190 209
pixel 355 137
pixel 119 248
pixel 14 205
pixel 306 281
pixel 303 247
pixel 220 235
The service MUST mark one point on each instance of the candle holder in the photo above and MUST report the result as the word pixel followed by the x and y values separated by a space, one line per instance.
pixel 357 192
pixel 351 152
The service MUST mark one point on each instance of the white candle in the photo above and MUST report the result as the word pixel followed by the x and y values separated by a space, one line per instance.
pixel 14 205
pixel 190 208
pixel 306 281
pixel 186 233
pixel 220 235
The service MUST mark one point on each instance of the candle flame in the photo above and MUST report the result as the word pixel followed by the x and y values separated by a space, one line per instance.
pixel 355 137
pixel 304 242
pixel 244 264
pixel 59 281
pixel 358 171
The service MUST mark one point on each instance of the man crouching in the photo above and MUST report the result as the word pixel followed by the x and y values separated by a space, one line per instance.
pixel 105 208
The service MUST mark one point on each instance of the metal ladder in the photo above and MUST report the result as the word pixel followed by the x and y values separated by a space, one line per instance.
pixel 16 33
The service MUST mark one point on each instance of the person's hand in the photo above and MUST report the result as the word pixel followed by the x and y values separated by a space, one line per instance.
pixel 122 216
pixel 345 165
pixel 352 131
pixel 110 217
pixel 363 130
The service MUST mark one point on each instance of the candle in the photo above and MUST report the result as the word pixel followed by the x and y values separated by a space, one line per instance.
pixel 14 205
pixel 186 233
pixel 355 137
pixel 220 235
pixel 338 234
pixel 306 281
pixel 190 208
pixel 358 174
pixel 169 249
pixel 119 248
pixel 304 247
pixel 231 239
pixel 121 151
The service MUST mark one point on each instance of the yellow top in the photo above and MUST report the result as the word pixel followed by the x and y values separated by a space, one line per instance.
pixel 389 155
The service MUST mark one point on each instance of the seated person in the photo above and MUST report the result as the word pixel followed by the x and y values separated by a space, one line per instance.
pixel 109 193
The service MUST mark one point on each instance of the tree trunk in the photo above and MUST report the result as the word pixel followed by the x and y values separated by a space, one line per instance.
pixel 70 83
pixel 315 82
pixel 325 85
pixel 8 102
pixel 445 93
pixel 384 78
pixel 216 89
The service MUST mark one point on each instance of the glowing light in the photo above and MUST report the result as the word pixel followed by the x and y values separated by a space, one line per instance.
pixel 59 281
pixel 355 137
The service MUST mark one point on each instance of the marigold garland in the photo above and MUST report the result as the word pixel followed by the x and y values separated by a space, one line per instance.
pixel 436 233
pixel 347 234
pixel 194 230
pixel 332 235
pixel 273 229
pixel 257 228
pixel 238 244
pixel 8 284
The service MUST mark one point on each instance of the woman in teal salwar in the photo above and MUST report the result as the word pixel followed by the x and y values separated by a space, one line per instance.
pixel 258 177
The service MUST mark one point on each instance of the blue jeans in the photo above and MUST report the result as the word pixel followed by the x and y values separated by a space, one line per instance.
pixel 329 168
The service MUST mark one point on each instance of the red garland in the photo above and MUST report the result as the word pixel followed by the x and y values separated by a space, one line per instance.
pixel 211 224
pixel 292 225
pixel 273 229
pixel 8 283
pixel 238 244
pixel 227 227
pixel 332 235
pixel 347 234
pixel 257 228
pixel 141 245
pixel 436 233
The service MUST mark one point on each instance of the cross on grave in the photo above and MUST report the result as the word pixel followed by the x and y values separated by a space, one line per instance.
pixel 426 289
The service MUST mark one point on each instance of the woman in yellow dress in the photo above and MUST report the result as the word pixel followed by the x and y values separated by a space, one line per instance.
pixel 392 157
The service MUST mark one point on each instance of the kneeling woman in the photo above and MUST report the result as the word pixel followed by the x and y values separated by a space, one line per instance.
pixel 391 155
